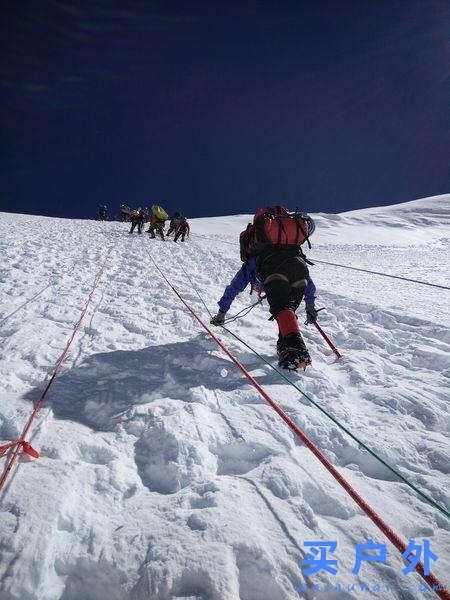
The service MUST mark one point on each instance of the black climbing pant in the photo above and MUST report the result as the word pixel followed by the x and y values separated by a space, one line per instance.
pixel 285 278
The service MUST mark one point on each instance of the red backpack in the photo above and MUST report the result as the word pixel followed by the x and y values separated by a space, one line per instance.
pixel 273 226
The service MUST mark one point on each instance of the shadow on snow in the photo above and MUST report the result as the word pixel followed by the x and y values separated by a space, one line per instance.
pixel 104 386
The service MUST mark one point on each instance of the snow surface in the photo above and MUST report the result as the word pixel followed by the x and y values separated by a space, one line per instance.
pixel 163 474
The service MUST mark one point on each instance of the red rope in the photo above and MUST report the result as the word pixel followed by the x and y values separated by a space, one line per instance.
pixel 431 580
pixel 21 443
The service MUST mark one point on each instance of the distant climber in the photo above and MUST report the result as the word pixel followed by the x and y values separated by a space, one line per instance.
pixel 182 229
pixel 124 213
pixel 102 212
pixel 137 218
pixel 157 222
pixel 274 263
pixel 173 223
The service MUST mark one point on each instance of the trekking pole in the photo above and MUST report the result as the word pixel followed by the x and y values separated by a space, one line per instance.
pixel 327 339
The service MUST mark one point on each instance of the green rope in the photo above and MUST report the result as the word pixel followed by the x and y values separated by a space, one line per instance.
pixel 361 444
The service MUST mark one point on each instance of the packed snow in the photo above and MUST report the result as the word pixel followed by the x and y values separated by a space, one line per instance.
pixel 163 473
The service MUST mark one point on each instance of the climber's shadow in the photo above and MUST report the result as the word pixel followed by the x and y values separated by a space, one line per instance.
pixel 104 386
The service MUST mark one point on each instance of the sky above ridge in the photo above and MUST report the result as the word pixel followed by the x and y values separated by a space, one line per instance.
pixel 216 108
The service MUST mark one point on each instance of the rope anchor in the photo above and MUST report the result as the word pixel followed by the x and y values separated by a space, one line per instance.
pixel 21 443
pixel 27 448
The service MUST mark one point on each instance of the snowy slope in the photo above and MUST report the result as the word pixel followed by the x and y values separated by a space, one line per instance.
pixel 163 473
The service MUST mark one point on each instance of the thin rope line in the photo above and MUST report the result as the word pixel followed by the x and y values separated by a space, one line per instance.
pixel 436 285
pixel 25 303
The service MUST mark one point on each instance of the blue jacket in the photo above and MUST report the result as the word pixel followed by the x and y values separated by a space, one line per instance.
pixel 246 275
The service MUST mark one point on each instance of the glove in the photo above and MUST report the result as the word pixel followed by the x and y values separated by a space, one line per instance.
pixel 218 319
pixel 311 314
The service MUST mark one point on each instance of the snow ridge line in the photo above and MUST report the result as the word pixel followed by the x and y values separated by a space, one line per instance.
pixel 430 579
pixel 21 443
pixel 360 443
pixel 324 262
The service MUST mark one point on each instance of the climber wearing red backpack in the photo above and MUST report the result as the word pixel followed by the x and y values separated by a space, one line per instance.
pixel 273 244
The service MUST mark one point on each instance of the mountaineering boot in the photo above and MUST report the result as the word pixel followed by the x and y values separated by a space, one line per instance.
pixel 292 352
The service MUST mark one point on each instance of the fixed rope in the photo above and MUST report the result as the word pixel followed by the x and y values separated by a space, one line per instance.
pixel 436 285
pixel 423 495
pixel 21 444
pixel 430 578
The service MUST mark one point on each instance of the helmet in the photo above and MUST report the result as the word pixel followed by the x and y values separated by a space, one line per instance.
pixel 310 223
pixel 176 215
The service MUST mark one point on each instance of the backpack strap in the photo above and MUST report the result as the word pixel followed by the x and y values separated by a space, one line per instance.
pixel 299 229
pixel 305 233
pixel 244 242
pixel 280 228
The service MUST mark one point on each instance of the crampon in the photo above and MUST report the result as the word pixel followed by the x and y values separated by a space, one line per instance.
pixel 292 353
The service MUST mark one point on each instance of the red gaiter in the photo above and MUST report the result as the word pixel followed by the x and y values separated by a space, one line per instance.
pixel 287 322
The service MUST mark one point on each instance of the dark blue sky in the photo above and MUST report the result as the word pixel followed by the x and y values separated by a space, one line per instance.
pixel 219 107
